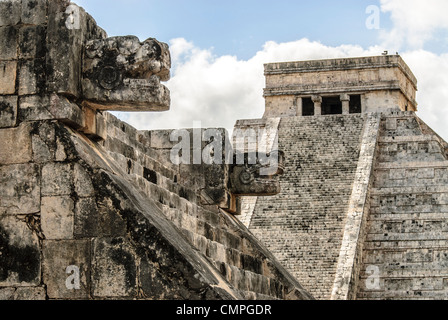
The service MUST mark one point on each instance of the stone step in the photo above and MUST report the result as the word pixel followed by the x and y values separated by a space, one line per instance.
pixel 391 217
pixel 402 295
pixel 408 226
pixel 428 208
pixel 442 164
pixel 405 245
pixel 407 236
pixel 403 269
pixel 409 190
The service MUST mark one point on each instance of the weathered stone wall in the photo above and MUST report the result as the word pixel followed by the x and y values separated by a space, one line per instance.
pixel 303 225
pixel 79 212
pixel 405 250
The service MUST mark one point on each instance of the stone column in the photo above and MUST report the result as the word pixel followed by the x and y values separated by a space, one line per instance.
pixel 363 103
pixel 317 105
pixel 345 99
pixel 299 106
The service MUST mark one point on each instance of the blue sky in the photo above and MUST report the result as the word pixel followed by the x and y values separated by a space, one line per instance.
pixel 237 27
pixel 218 49
pixel 240 27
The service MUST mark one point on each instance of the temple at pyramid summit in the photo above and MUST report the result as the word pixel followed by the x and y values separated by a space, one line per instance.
pixel 342 195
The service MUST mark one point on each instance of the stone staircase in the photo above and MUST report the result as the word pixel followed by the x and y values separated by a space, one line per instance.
pixel 406 247
pixel 303 225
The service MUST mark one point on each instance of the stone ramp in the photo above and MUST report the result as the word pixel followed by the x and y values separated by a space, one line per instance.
pixel 241 259
pixel 71 203
pixel 303 225
pixel 406 246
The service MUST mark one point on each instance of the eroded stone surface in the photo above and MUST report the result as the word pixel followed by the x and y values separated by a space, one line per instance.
pixel 8 111
pixel 20 188
pixel 57 216
pixel 16 145
pixel 19 254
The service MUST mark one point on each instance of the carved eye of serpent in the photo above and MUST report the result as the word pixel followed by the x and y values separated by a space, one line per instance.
pixel 109 77
pixel 246 177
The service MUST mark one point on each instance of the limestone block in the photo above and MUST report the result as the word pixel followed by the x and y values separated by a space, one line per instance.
pixel 62 109
pixel 427 284
pixel 82 181
pixel 90 121
pixel 60 154
pixel 7 293
pixel 43 143
pixel 34 12
pixel 101 126
pixel 29 293
pixel 41 152
pixel 160 139
pixel 65 43
pixel 8 73
pixel 152 282
pixel 8 43
pixel 8 111
pixel 57 216
pixel 391 124
pixel 15 145
pixel 114 269
pixel 32 42
pixel 87 219
pixel 56 179
pixel 10 12
pixel 19 254
pixel 28 78
pixel 102 219
pixel 67 264
pixel 20 191
pixel 64 55
pixel 34 108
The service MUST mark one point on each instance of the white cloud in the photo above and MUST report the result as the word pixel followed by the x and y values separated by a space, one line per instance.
pixel 415 22
pixel 431 71
pixel 218 90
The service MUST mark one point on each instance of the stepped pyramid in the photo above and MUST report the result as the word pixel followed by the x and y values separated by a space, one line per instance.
pixel 362 212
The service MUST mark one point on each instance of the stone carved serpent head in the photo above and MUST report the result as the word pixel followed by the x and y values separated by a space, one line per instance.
pixel 124 73
pixel 116 73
